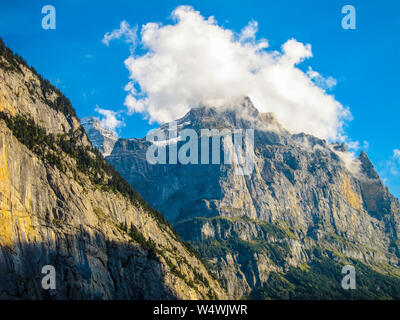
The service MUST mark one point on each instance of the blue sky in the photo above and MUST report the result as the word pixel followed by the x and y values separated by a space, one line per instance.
pixel 363 61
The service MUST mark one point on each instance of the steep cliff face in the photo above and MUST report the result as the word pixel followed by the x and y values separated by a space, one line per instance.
pixel 307 209
pixel 61 204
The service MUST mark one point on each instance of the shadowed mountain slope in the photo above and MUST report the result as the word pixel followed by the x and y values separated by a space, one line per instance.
pixel 62 204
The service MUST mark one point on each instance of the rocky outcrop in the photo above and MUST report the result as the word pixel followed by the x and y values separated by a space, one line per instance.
pixel 306 201
pixel 62 205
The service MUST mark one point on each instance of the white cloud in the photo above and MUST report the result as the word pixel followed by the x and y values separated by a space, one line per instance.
pixel 350 157
pixel 126 32
pixel 195 61
pixel 110 119
pixel 295 52
pixel 249 31
pixel 355 146
pixel 320 81
pixel 396 154
pixel 351 161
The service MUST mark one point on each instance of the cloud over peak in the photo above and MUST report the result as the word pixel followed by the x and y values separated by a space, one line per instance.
pixel 109 119
pixel 195 61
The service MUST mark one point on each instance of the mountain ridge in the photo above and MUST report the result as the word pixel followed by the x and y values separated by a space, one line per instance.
pixel 304 195
pixel 62 204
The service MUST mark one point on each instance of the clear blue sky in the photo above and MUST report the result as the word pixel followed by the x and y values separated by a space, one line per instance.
pixel 364 61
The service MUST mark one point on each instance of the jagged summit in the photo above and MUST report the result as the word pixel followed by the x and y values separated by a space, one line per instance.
pixel 101 138
pixel 341 147
pixel 304 208
pixel 236 114
pixel 367 166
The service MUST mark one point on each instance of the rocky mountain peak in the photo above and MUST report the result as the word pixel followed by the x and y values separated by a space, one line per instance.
pixel 234 114
pixel 270 120
pixel 341 147
pixel 102 138
pixel 304 206
pixel 367 166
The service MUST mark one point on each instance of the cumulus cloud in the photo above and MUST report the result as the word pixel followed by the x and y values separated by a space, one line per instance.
pixel 110 119
pixel 126 32
pixel 249 32
pixel 295 52
pixel 195 61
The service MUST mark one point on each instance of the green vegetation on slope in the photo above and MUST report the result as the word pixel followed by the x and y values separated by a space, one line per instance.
pixel 89 160
pixel 67 153
pixel 321 279
pixel 12 63
pixel 52 149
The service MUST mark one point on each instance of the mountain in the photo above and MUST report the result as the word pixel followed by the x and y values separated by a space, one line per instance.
pixel 101 138
pixel 286 230
pixel 63 205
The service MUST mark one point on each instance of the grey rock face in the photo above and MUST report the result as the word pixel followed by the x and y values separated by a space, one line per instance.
pixel 303 194
pixel 101 138
pixel 52 213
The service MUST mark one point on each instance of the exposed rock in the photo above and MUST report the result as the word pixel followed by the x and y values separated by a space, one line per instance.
pixel 303 195
pixel 61 204
pixel 101 138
